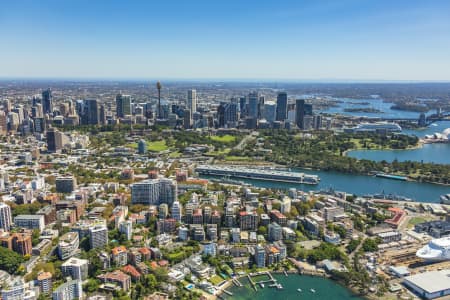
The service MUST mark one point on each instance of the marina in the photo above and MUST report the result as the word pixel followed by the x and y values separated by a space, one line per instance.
pixel 293 287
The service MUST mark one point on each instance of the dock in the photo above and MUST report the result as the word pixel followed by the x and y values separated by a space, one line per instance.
pixel 271 281
pixel 237 282
pixel 227 292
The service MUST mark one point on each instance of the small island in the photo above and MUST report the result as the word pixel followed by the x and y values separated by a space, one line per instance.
pixel 363 110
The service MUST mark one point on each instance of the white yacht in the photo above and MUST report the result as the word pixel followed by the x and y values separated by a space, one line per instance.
pixel 436 250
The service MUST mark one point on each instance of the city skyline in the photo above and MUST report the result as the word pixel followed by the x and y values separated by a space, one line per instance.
pixel 264 40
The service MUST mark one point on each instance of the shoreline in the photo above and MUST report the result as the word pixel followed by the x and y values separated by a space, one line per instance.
pixel 352 289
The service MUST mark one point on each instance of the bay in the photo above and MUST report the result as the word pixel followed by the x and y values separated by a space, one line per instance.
pixel 326 289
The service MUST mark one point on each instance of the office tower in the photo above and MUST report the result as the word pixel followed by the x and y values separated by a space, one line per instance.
pixel 3 123
pixel 301 110
pixel 260 256
pixel 192 101
pixel 89 112
pixel 317 122
pixel 37 111
pixel 65 184
pixel 176 211
pixel 308 122
pixel 227 114
pixel 5 217
pixel 53 140
pixel 70 290
pixel 282 106
pixel 187 122
pixel 142 147
pixel 123 105
pixel 422 120
pixel 102 115
pixel 14 121
pixel 154 191
pixel 253 105
pixel 269 112
pixel 98 236
pixel 275 232
pixel 242 106
pixel 76 268
pixel 39 125
pixel 126 228
pixel 47 101
pixel 159 86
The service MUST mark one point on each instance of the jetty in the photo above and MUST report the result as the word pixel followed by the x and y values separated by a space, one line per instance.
pixel 236 282
pixel 271 281
pixel 227 292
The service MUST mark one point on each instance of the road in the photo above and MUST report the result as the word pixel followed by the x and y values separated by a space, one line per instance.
pixel 245 140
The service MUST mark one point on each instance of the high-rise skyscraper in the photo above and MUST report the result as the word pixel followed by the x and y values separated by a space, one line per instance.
pixel 123 105
pixel 192 101
pixel 253 105
pixel 281 106
pixel 187 122
pixel 54 140
pixel 159 112
pixel 301 110
pixel 89 113
pixel 269 111
pixel 47 100
pixel 227 114
pixel 5 217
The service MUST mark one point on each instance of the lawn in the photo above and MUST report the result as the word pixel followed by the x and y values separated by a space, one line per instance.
pixel 237 158
pixel 216 279
pixel 223 138
pixel 156 146
pixel 417 220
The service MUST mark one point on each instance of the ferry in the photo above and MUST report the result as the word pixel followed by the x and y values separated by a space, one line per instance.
pixel 390 176
pixel 445 199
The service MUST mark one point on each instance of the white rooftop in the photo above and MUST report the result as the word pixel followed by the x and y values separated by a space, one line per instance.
pixel 431 282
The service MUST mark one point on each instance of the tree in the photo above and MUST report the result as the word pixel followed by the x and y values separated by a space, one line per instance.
pixel 9 260
pixel 262 230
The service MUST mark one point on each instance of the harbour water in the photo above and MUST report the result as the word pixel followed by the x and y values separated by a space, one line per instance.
pixel 325 289
pixel 428 153
pixel 360 185
pixel 384 109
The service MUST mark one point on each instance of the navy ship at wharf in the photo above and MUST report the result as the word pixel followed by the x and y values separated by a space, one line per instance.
pixel 259 174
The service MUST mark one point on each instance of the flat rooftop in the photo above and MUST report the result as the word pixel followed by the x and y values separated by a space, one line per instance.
pixel 431 282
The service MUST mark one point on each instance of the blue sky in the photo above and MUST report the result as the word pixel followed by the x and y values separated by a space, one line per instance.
pixel 229 39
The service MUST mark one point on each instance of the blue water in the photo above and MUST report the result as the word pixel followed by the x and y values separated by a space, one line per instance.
pixel 326 289
pixel 375 103
pixel 360 185
pixel 429 153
